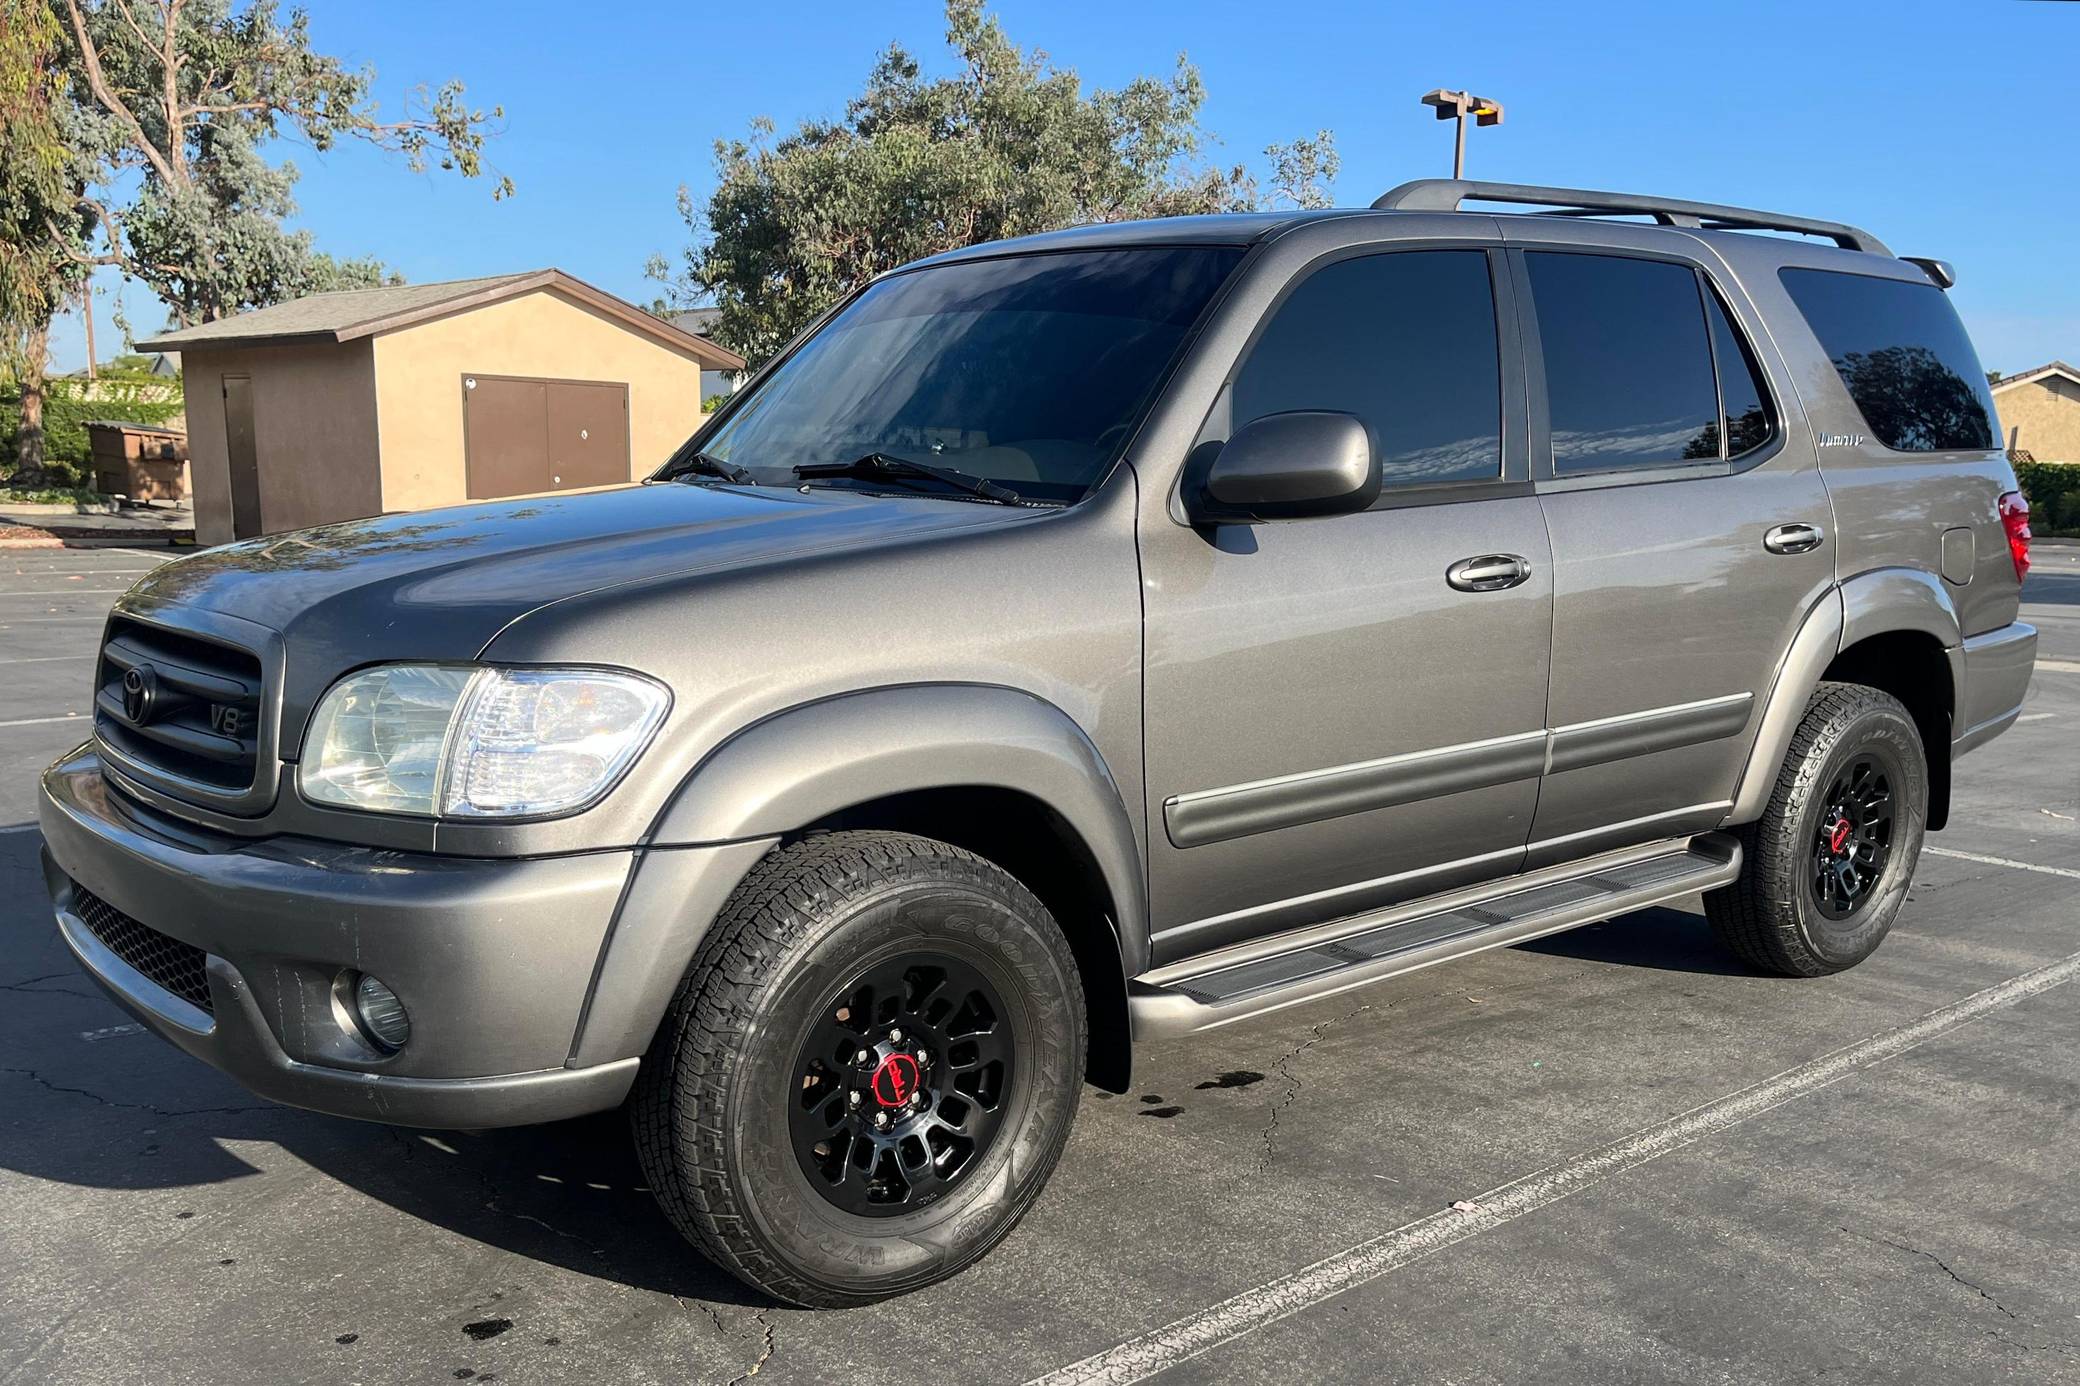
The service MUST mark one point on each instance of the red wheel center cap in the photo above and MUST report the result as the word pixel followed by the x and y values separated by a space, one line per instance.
pixel 895 1081
pixel 1838 835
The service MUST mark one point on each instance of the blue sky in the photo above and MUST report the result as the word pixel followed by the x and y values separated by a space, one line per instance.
pixel 1938 126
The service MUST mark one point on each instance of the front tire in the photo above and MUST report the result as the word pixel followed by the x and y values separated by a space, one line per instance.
pixel 869 1071
pixel 1827 866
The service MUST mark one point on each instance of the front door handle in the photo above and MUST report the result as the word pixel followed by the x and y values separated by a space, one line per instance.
pixel 1490 572
pixel 1799 538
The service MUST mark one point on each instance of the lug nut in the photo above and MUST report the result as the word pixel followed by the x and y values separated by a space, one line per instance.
pixel 864 1056
pixel 881 1119
pixel 852 1099
pixel 895 1036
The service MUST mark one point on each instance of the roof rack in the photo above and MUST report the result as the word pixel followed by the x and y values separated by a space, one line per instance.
pixel 1445 195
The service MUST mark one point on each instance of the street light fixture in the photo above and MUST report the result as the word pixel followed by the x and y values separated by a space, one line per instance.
pixel 1457 105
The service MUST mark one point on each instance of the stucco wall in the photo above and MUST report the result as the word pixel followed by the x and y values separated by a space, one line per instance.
pixel 314 434
pixel 419 372
pixel 2042 417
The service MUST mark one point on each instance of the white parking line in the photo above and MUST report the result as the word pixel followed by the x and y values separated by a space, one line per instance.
pixel 79 717
pixel 2059 666
pixel 19 828
pixel 2003 861
pixel 1140 1358
pixel 53 659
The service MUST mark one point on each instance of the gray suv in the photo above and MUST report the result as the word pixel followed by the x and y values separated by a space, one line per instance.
pixel 1069 643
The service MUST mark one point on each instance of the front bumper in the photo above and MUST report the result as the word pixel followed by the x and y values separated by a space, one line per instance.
pixel 493 959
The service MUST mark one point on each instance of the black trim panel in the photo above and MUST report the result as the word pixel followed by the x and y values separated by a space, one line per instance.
pixel 1643 733
pixel 1243 810
pixel 1216 815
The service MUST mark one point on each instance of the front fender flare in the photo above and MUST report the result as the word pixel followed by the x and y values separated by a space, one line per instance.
pixel 810 762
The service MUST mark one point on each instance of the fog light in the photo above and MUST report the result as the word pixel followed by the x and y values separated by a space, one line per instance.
pixel 381 1014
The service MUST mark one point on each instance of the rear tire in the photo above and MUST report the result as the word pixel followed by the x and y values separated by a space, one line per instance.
pixel 868 1073
pixel 1826 867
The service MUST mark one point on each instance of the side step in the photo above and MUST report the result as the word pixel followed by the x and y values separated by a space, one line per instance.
pixel 1365 949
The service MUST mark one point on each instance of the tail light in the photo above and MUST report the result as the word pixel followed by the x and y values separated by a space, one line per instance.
pixel 2015 520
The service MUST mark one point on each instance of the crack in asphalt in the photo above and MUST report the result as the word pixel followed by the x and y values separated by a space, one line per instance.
pixel 1284 1067
pixel 768 1342
pixel 1941 1264
pixel 768 1345
pixel 29 986
pixel 37 1078
pixel 492 1195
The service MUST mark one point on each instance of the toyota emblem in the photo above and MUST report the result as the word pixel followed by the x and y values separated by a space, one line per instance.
pixel 140 692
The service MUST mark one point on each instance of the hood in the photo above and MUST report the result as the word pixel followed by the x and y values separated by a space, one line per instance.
pixel 440 584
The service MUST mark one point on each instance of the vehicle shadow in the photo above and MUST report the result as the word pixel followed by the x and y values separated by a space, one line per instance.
pixel 1668 940
pixel 92 1101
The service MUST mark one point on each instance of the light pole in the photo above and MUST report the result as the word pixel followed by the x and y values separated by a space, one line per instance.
pixel 1457 105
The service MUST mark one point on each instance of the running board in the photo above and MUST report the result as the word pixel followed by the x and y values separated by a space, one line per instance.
pixel 1365 950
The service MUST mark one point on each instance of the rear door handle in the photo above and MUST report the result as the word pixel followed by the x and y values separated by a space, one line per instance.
pixel 1490 572
pixel 1799 538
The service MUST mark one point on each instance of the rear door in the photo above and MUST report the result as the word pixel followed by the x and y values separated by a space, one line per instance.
pixel 1690 533
pixel 1331 723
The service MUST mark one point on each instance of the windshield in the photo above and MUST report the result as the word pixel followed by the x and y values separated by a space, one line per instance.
pixel 1030 371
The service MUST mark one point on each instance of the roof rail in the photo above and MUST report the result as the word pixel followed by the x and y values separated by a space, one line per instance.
pixel 1445 195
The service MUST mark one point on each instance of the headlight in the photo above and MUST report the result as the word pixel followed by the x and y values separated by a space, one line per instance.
pixel 465 741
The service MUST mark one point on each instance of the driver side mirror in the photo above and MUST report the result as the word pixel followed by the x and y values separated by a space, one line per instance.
pixel 1286 467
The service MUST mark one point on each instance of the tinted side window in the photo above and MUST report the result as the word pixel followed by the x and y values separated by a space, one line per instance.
pixel 1900 349
pixel 1404 341
pixel 1741 396
pixel 1628 371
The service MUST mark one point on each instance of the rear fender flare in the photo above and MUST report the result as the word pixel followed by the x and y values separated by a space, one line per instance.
pixel 1879 602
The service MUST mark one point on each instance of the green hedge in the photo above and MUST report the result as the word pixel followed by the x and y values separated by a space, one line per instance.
pixel 66 410
pixel 2053 489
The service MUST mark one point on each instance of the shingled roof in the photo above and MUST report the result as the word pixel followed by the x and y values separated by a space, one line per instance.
pixel 351 313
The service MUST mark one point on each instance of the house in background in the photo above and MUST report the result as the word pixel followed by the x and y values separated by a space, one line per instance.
pixel 701 323
pixel 356 403
pixel 2040 412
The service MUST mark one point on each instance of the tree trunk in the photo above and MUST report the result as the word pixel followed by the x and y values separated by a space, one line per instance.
pixel 28 438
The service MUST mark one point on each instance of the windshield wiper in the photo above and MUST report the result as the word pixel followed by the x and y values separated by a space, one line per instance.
pixel 879 464
pixel 701 464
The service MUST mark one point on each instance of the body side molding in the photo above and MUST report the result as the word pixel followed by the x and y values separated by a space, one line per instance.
pixel 1215 815
pixel 1241 810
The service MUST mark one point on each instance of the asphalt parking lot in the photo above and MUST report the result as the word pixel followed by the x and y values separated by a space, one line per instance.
pixel 1679 1171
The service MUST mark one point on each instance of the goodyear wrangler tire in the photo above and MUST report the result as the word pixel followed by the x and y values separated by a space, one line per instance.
pixel 868 1072
pixel 1827 866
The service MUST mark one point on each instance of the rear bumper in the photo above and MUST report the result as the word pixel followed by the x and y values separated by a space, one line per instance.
pixel 1996 675
pixel 493 960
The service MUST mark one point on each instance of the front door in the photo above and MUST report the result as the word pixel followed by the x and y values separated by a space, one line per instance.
pixel 1690 540
pixel 1338 713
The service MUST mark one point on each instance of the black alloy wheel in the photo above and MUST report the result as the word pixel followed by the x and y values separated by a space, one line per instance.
pixel 1854 838
pixel 899 1087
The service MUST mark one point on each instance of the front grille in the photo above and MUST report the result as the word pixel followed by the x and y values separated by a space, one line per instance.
pixel 179 704
pixel 180 968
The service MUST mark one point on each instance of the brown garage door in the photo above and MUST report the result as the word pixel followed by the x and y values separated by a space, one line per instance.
pixel 522 436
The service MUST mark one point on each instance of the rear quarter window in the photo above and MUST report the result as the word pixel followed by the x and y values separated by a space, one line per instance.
pixel 1903 356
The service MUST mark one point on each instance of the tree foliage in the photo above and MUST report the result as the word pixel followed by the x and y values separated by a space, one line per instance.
pixel 176 100
pixel 1007 145
pixel 39 176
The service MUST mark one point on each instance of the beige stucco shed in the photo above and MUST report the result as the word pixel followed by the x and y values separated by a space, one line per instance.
pixel 374 400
